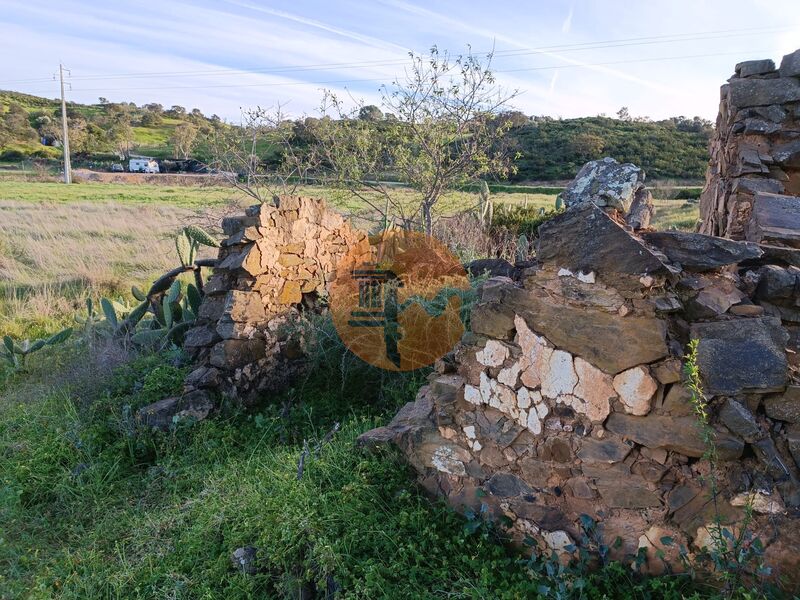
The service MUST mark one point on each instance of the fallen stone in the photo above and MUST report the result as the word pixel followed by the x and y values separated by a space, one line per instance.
pixel 585 238
pixel 606 341
pixel 679 434
pixel 742 355
pixel 635 388
pixel 245 560
pixel 642 210
pixel 699 252
pixel 775 219
pixel 196 404
pixel 494 267
pixel 784 407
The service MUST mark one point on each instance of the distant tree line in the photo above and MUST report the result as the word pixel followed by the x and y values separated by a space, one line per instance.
pixel 544 148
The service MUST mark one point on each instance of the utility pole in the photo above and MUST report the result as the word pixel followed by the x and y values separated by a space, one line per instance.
pixel 65 129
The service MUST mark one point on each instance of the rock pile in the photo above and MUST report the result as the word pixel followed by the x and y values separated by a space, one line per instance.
pixel 752 188
pixel 567 399
pixel 609 184
pixel 277 262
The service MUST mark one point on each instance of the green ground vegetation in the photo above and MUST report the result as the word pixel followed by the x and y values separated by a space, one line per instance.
pixel 91 507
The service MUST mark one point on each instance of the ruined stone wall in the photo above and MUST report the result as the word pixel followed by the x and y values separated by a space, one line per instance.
pixel 752 185
pixel 278 260
pixel 566 398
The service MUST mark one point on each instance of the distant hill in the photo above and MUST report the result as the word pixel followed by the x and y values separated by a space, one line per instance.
pixel 30 127
pixel 548 149
pixel 553 149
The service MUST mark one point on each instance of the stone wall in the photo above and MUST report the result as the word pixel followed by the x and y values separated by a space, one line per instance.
pixel 566 398
pixel 753 180
pixel 277 262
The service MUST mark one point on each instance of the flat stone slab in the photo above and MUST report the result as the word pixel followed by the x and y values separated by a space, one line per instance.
pixel 775 219
pixel 585 238
pixel 606 340
pixel 742 355
pixel 699 252
pixel 762 92
pixel 679 434
pixel 785 407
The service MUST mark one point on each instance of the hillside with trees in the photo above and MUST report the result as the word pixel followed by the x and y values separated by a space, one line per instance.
pixel 546 149
pixel 30 128
pixel 551 149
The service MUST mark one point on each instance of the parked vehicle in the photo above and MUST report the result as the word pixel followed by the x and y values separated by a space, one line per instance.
pixel 117 168
pixel 143 164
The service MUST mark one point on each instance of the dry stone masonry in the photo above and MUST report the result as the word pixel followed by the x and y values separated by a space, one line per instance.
pixel 567 399
pixel 753 181
pixel 277 261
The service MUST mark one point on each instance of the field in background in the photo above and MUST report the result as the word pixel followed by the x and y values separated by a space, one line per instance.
pixel 60 244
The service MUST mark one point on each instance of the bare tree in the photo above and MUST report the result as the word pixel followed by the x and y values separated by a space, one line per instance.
pixel 262 156
pixel 451 131
pixel 448 130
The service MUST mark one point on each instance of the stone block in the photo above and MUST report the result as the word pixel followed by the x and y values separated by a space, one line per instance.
pixel 699 252
pixel 775 220
pixel 742 355
pixel 607 341
pixel 762 92
pixel 785 406
pixel 790 65
pixel 755 67
pixel 679 434
pixel 232 354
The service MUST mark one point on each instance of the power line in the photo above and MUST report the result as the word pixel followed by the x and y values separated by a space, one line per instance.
pixel 340 81
pixel 624 42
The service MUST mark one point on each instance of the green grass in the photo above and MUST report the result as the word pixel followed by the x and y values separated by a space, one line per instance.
pixel 91 510
pixel 181 196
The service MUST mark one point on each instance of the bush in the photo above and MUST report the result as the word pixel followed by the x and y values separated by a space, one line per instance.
pixel 520 220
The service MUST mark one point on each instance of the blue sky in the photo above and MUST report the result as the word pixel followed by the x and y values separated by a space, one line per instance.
pixel 567 58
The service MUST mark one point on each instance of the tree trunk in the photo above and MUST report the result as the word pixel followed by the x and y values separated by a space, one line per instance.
pixel 427 219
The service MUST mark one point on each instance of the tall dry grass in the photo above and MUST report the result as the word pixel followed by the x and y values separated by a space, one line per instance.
pixel 53 256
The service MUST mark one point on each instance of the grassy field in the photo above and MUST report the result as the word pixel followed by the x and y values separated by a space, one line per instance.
pixel 59 244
